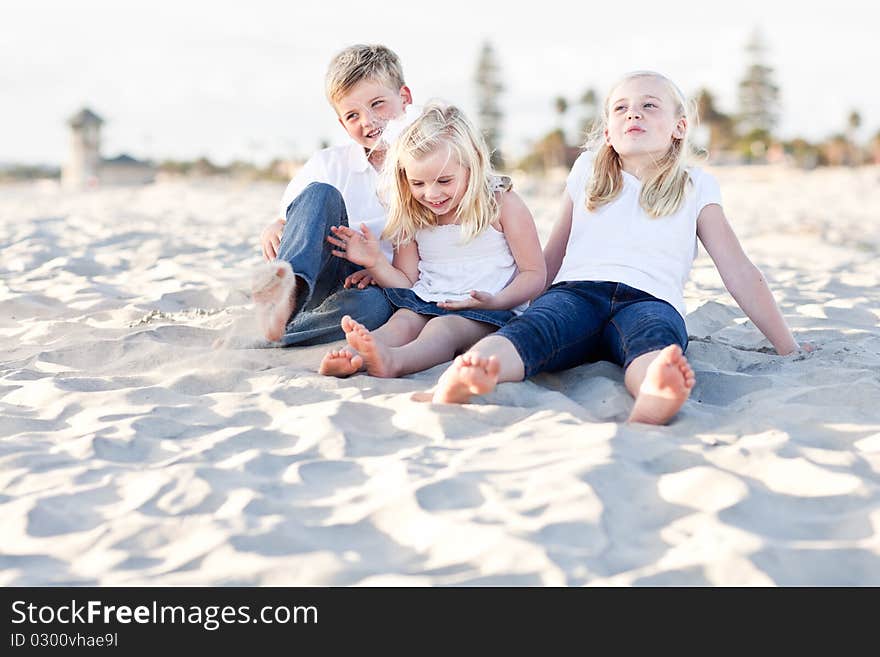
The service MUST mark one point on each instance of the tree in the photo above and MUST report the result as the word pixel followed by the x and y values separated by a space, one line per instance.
pixel 874 148
pixel 721 126
pixel 804 154
pixel 590 103
pixel 758 94
pixel 836 151
pixel 853 123
pixel 560 104
pixel 489 88
pixel 549 152
pixel 854 120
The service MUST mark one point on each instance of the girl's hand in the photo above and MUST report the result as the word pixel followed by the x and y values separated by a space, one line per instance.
pixel 270 238
pixel 359 279
pixel 361 248
pixel 477 299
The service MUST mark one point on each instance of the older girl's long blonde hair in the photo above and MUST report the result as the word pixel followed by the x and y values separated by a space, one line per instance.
pixel 437 125
pixel 664 190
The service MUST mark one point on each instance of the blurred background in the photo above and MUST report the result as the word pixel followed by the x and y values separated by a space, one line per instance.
pixel 176 88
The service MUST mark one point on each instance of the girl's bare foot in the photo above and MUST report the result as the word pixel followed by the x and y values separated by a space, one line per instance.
pixel 667 385
pixel 377 357
pixel 341 363
pixel 470 374
pixel 274 293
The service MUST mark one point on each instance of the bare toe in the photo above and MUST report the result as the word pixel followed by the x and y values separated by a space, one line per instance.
pixel 348 324
pixel 468 375
pixel 340 363
pixel 374 356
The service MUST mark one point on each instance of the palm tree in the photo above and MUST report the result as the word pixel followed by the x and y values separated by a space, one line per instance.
pixel 561 105
pixel 853 123
pixel 854 120
pixel 589 100
pixel 561 141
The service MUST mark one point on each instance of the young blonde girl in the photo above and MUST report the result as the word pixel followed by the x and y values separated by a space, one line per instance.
pixel 618 259
pixel 466 253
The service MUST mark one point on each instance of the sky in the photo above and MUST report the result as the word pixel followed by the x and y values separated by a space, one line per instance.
pixel 244 80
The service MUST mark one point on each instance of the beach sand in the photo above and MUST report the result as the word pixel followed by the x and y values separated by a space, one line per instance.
pixel 131 453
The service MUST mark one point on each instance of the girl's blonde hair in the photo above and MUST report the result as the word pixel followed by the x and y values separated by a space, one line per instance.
pixel 436 126
pixel 663 192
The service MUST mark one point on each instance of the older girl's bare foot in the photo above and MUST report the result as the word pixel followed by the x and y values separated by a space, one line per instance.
pixel 470 374
pixel 377 357
pixel 667 385
pixel 274 293
pixel 341 363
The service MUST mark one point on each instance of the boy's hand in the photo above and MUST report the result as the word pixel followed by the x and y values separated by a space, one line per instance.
pixel 361 248
pixel 270 238
pixel 359 279
pixel 477 299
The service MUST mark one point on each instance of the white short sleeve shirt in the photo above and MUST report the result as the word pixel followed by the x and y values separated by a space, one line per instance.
pixel 619 242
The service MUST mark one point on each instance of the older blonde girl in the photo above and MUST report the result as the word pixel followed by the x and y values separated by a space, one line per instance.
pixel 618 259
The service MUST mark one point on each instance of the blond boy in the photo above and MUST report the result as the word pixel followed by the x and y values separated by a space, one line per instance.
pixel 303 292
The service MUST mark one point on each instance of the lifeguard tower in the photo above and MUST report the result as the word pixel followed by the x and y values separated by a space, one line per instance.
pixel 83 166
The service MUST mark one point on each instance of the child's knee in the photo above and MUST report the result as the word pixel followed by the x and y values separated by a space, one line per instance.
pixel 318 195
pixel 455 324
pixel 322 191
pixel 409 318
pixel 446 321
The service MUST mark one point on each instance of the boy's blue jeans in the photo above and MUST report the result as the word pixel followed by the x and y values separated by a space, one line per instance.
pixel 323 301
pixel 580 322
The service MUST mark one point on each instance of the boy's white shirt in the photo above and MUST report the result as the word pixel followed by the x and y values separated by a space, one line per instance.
pixel 347 169
pixel 621 243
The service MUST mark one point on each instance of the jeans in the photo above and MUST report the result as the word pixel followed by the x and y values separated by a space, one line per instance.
pixel 322 300
pixel 585 321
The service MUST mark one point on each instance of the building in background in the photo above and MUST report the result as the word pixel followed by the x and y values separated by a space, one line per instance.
pixel 85 168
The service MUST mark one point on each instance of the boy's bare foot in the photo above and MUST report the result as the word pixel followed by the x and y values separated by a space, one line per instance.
pixel 667 385
pixel 274 293
pixel 341 363
pixel 376 356
pixel 470 374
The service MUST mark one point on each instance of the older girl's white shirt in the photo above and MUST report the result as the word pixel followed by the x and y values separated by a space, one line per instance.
pixel 619 242
pixel 347 169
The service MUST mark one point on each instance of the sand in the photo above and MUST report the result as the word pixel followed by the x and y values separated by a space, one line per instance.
pixel 131 453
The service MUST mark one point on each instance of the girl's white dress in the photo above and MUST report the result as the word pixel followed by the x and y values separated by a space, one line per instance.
pixel 450 268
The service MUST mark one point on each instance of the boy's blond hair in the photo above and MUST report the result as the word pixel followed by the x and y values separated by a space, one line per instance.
pixel 362 62
pixel 663 192
pixel 436 126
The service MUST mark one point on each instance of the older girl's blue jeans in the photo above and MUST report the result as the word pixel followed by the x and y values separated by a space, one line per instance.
pixel 580 322
pixel 322 301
